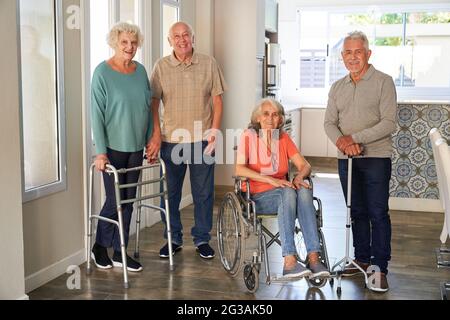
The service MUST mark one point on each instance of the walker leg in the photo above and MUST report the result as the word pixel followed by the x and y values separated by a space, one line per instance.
pixel 88 247
pixel 89 230
pixel 166 203
pixel 138 219
pixel 123 248
pixel 169 232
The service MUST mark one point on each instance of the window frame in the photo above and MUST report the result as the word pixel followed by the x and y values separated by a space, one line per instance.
pixel 404 94
pixel 61 184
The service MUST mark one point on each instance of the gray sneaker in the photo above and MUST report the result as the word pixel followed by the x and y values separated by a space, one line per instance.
pixel 298 271
pixel 318 270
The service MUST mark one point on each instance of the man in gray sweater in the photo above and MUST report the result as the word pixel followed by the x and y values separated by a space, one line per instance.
pixel 360 118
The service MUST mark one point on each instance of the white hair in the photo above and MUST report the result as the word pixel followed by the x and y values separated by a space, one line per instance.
pixel 188 26
pixel 357 35
pixel 118 28
pixel 257 111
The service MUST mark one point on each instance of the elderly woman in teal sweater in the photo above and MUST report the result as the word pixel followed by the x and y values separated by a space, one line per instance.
pixel 122 126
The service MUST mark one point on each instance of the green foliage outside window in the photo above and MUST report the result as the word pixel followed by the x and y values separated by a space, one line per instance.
pixel 397 18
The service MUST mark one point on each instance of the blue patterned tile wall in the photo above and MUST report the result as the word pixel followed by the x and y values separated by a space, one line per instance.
pixel 413 169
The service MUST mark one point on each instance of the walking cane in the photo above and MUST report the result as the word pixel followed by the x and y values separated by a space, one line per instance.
pixel 347 260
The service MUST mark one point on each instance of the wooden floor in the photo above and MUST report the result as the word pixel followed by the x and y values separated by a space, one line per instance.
pixel 412 271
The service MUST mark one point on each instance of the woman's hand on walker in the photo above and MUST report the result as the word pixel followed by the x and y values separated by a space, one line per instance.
pixel 101 160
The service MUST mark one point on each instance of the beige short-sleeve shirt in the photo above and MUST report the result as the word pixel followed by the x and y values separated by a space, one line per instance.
pixel 186 91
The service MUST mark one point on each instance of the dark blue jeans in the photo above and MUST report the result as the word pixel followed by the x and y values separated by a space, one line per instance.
pixel 371 224
pixel 201 168
pixel 107 233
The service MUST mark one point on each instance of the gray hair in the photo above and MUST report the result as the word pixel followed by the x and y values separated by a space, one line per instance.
pixel 254 124
pixel 357 35
pixel 118 28
pixel 189 27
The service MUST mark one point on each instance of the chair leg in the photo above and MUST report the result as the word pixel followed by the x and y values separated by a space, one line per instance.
pixel 445 290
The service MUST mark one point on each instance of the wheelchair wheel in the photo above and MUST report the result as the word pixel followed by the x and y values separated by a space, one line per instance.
pixel 229 233
pixel 300 245
pixel 251 277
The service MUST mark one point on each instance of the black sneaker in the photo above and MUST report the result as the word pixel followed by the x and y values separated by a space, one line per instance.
pixel 132 265
pixel 164 252
pixel 205 251
pixel 100 256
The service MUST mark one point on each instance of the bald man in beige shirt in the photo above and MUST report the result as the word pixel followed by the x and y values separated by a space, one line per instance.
pixel 190 85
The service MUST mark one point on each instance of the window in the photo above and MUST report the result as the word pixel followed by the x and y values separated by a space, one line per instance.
pixel 129 11
pixel 410 44
pixel 42 107
pixel 99 28
pixel 170 10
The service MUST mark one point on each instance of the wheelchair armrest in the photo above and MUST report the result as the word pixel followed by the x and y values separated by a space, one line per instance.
pixel 243 179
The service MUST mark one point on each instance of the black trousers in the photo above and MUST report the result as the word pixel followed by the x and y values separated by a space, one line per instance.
pixel 107 233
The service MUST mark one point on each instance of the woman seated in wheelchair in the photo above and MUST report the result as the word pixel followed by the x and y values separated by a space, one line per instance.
pixel 263 157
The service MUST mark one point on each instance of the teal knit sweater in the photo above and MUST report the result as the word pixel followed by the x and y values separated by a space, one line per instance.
pixel 121 115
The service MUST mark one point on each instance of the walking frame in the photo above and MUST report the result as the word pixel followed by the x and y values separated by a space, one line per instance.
pixel 347 260
pixel 119 202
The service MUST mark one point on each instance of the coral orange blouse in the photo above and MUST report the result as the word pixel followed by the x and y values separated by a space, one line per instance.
pixel 272 161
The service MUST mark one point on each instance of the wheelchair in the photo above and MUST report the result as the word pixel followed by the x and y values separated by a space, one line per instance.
pixel 238 222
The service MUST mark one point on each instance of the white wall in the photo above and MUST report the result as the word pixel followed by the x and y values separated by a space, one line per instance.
pixel 12 284
pixel 235 49
pixel 204 26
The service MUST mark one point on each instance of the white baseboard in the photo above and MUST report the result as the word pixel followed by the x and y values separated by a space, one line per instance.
pixel 25 297
pixel 421 205
pixel 52 272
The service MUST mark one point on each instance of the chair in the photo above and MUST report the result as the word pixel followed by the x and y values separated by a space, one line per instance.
pixel 441 153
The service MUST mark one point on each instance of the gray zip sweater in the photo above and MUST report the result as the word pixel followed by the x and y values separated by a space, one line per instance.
pixel 367 111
